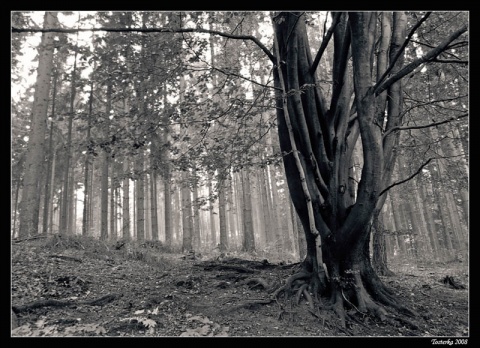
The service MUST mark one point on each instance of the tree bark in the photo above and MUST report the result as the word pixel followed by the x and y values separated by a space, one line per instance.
pixel 222 214
pixel 126 201
pixel 36 141
pixel 248 232
pixel 48 179
pixel 187 215
pixel 211 210
pixel 64 214
pixel 153 198
pixel 104 197
pixel 140 196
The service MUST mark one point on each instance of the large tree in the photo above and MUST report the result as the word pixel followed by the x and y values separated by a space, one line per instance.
pixel 318 134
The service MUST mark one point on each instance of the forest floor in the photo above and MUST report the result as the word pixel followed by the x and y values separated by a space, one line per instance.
pixel 83 287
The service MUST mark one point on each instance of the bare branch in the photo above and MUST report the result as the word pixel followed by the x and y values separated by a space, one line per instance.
pixel 450 61
pixel 394 129
pixel 150 30
pixel 325 42
pixel 407 179
pixel 400 51
pixel 417 62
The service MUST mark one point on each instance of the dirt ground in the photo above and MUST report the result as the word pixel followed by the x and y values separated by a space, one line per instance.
pixel 78 287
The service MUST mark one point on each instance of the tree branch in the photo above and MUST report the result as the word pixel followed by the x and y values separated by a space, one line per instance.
pixel 325 42
pixel 394 129
pixel 379 88
pixel 150 30
pixel 407 179
pixel 451 61
pixel 405 43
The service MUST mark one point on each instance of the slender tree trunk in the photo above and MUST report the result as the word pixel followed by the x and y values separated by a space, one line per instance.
pixel 153 198
pixel 427 211
pixel 147 207
pixel 52 192
pixel 106 155
pixel 104 197
pixel 72 201
pixel 278 228
pixel 262 208
pixel 126 201
pixel 113 184
pixel 178 215
pixel 134 210
pixel 458 150
pixel 168 210
pixel 248 232
pixel 197 238
pixel 213 231
pixel 418 217
pixel 222 214
pixel 140 196
pixel 64 218
pixel 17 190
pixel 269 239
pixel 92 202
pixel 48 179
pixel 187 216
pixel 86 182
pixel 236 191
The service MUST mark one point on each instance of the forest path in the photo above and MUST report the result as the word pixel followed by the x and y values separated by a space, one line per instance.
pixel 83 287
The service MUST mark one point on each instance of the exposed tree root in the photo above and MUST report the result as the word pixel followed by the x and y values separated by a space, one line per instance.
pixel 254 282
pixel 366 295
pixel 57 303
pixel 221 267
pixel 68 258
pixel 246 304
pixel 288 285
pixel 29 238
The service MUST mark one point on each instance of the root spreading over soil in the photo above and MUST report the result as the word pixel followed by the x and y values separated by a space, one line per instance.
pixel 92 289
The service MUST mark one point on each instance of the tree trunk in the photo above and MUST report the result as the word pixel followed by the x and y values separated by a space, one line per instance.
pixel 222 214
pixel 48 179
pixel 140 196
pixel 266 202
pixel 279 233
pixel 427 211
pixel 459 151
pixel 17 190
pixel 197 238
pixel 72 200
pixel 36 140
pixel 104 197
pixel 187 218
pixel 211 205
pixel 147 208
pixel 153 198
pixel 379 260
pixel 167 199
pixel 126 201
pixel 52 192
pixel 64 216
pixel 248 233
pixel 113 184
